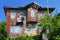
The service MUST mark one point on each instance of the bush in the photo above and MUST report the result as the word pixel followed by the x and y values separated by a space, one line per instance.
pixel 55 35
pixel 3 35
pixel 37 37
pixel 2 31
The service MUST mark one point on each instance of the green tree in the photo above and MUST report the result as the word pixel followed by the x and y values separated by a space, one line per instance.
pixel 56 21
pixel 55 34
pixel 46 22
pixel 2 30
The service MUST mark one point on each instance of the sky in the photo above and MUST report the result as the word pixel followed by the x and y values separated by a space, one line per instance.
pixel 15 3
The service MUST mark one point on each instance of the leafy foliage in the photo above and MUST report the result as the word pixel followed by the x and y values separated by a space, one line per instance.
pixel 37 37
pixel 55 33
pixel 2 31
pixel 45 21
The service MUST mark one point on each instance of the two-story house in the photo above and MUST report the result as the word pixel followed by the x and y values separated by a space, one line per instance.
pixel 24 20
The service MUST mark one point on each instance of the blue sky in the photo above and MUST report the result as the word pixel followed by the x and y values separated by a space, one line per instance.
pixel 14 3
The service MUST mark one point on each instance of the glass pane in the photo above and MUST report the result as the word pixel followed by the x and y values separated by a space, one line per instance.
pixel 32 13
pixel 16 29
pixel 40 29
pixel 31 25
pixel 21 13
pixel 13 14
pixel 41 13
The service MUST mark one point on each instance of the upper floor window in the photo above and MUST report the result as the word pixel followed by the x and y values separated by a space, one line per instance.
pixel 32 13
pixel 22 13
pixel 13 14
pixel 41 13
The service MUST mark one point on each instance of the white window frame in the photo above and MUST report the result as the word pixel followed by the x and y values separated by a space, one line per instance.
pixel 32 12
pixel 13 15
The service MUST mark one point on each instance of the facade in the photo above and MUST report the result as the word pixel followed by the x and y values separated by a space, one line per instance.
pixel 24 20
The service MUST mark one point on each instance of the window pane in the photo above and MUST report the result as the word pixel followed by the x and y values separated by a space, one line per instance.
pixel 16 29
pixel 32 13
pixel 40 29
pixel 41 13
pixel 22 13
pixel 31 25
pixel 13 14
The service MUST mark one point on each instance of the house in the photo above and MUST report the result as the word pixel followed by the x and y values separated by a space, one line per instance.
pixel 24 20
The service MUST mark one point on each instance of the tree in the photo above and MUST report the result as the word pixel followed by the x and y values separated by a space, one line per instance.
pixel 45 21
pixel 55 35
pixel 56 21
pixel 2 30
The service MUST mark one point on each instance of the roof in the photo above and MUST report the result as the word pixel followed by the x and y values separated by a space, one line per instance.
pixel 25 7
pixel 8 7
pixel 45 8
pixel 33 3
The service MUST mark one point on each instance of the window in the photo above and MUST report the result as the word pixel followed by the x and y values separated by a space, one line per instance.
pixel 31 25
pixel 13 14
pixel 16 29
pixel 19 19
pixel 22 13
pixel 41 13
pixel 32 13
pixel 40 29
